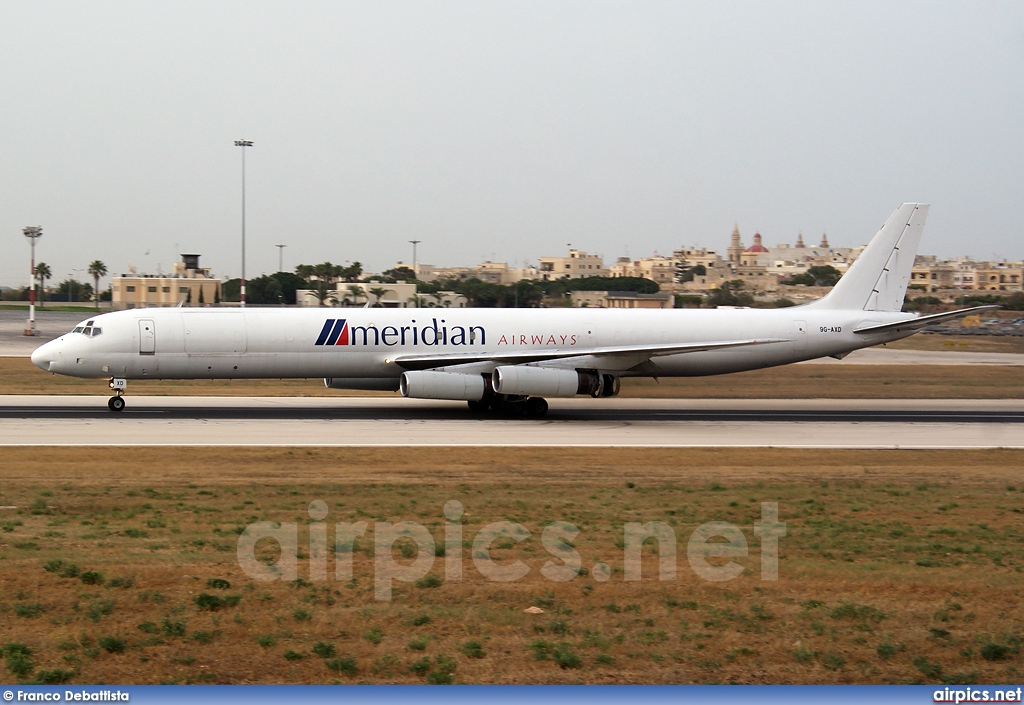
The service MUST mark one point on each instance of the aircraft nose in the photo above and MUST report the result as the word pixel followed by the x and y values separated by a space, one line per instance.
pixel 43 356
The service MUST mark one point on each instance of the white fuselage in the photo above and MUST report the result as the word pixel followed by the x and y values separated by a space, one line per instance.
pixel 224 343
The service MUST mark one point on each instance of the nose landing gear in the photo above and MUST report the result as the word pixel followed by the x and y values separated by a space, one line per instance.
pixel 116 402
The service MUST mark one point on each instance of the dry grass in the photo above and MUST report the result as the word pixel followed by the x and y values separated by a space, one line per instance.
pixel 918 553
pixel 962 343
pixel 19 376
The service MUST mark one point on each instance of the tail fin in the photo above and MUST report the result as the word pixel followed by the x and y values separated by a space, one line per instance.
pixel 878 280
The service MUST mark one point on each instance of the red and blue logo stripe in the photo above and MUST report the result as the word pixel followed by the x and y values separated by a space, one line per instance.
pixel 335 332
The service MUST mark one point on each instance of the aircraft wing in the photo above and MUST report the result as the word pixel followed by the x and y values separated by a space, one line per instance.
pixel 425 362
pixel 922 321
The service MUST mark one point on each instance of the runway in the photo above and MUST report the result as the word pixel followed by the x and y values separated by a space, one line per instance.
pixel 360 421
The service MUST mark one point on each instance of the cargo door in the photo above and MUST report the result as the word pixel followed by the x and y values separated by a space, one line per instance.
pixel 147 337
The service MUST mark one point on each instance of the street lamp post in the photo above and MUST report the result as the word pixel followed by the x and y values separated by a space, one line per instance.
pixel 33 233
pixel 243 144
pixel 280 257
pixel 414 243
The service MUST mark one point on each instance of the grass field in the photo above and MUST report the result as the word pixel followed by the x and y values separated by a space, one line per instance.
pixel 19 376
pixel 119 565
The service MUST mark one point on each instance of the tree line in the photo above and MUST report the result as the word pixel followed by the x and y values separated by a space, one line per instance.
pixel 68 290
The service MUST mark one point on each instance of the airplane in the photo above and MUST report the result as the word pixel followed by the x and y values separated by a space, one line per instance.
pixel 505 360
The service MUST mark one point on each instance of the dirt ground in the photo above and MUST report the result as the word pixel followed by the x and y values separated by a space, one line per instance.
pixel 896 566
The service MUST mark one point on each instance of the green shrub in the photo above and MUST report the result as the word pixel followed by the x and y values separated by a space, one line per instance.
pixel 91 577
pixel 473 649
pixel 419 643
pixel 112 645
pixel 124 583
pixel 52 677
pixel 444 669
pixel 929 669
pixel 173 628
pixel 420 620
pixel 266 641
pixel 293 655
pixel 136 533
pixel 202 637
pixel 100 609
pixel 29 611
pixel 149 628
pixel 833 661
pixel 19 659
pixel 803 655
pixel 324 649
pixel 374 636
pixel 995 652
pixel 566 658
pixel 430 581
pixel 212 603
pixel 301 615
pixel 849 610
pixel 420 667
pixel 887 650
pixel 605 659
pixel 218 584
pixel 345 665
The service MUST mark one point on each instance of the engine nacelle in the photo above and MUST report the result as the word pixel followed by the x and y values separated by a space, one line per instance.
pixel 441 385
pixel 384 384
pixel 537 381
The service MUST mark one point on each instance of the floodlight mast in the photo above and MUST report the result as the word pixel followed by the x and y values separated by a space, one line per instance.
pixel 33 233
pixel 243 144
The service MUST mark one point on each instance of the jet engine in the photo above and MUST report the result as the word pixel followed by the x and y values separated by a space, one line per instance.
pixel 551 382
pixel 442 385
pixel 536 381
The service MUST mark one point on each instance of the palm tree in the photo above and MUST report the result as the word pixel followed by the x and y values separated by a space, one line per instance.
pixel 42 274
pixel 326 273
pixel 356 292
pixel 97 269
pixel 378 292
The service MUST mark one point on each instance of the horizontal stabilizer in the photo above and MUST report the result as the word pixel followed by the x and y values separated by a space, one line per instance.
pixel 922 321
pixel 425 362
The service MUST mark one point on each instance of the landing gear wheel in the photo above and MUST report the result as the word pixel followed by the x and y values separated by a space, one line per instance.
pixel 478 407
pixel 116 403
pixel 536 407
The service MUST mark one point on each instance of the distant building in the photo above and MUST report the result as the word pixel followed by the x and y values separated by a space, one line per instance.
pixel 621 299
pixel 576 266
pixel 188 284
pixel 659 268
pixel 490 272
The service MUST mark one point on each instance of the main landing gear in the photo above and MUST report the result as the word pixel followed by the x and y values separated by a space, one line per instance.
pixel 116 402
pixel 530 407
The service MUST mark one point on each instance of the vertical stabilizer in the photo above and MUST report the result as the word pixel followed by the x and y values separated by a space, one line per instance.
pixel 878 280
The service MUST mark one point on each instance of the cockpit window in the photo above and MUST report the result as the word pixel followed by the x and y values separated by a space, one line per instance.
pixel 78 329
pixel 88 330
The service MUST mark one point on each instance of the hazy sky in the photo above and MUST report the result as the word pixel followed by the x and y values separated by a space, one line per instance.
pixel 500 131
